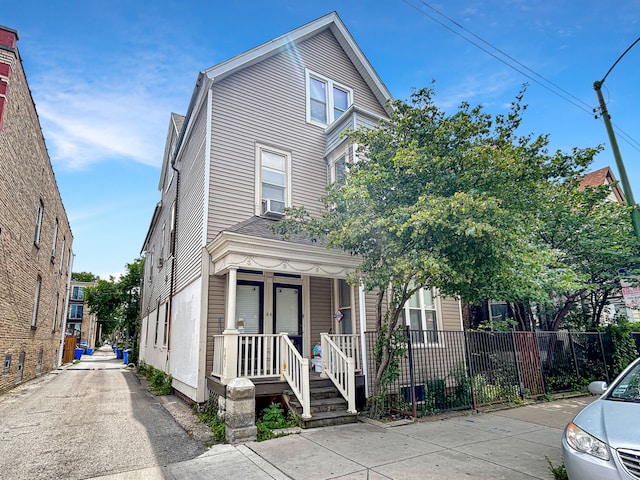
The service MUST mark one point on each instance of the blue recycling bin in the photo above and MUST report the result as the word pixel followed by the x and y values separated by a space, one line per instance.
pixel 89 351
pixel 125 356
pixel 119 353
pixel 77 354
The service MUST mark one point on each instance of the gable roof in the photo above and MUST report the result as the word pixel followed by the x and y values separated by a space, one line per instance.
pixel 602 176
pixel 330 21
pixel 260 227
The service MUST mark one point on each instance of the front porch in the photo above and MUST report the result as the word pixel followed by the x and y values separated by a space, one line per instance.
pixel 276 368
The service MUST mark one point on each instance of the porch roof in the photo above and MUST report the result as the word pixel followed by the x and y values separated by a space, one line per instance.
pixel 252 245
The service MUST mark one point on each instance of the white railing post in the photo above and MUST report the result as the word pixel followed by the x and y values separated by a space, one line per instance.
pixel 351 388
pixel 324 355
pixel 230 361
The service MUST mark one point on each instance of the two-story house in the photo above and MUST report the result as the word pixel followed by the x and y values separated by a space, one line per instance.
pixel 224 296
pixel 35 237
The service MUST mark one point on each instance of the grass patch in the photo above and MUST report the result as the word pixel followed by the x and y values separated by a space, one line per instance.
pixel 159 381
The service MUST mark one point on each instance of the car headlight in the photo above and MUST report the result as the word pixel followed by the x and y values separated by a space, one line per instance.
pixel 583 442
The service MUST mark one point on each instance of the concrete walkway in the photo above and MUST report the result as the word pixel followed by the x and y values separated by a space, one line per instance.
pixel 509 444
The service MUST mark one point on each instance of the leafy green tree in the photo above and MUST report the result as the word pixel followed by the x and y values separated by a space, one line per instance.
pixel 442 201
pixel 83 277
pixel 595 241
pixel 117 303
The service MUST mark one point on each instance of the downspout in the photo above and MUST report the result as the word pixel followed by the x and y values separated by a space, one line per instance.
pixel 63 327
pixel 174 242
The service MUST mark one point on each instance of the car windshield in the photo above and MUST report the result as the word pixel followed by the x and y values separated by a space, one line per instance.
pixel 628 388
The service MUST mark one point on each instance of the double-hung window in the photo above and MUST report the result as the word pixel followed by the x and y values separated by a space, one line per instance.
pixel 36 237
pixel 77 293
pixel 326 100
pixel 344 306
pixel 420 315
pixel 76 312
pixel 273 180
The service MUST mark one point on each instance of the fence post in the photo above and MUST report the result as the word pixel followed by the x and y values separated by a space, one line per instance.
pixel 604 358
pixel 515 356
pixel 573 354
pixel 412 383
pixel 468 355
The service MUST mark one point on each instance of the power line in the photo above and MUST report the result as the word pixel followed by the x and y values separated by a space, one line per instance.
pixel 565 95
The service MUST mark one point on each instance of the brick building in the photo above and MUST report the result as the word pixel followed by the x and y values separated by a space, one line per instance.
pixel 35 237
pixel 81 323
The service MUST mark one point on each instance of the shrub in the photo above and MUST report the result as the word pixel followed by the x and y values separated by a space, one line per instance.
pixel 273 417
pixel 209 416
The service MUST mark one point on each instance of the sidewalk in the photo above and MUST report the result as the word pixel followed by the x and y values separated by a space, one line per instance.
pixel 509 444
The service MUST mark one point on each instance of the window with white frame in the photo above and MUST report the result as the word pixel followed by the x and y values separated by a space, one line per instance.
pixel 155 337
pixel 64 241
pixel 36 238
pixel 77 293
pixel 326 100
pixel 76 312
pixel 36 301
pixel 344 307
pixel 273 180
pixel 420 315
pixel 338 167
pixel 55 241
pixel 165 331
pixel 55 313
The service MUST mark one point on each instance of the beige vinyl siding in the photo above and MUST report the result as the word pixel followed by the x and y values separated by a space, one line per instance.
pixel 215 315
pixel 191 204
pixel 266 103
pixel 450 311
pixel 321 309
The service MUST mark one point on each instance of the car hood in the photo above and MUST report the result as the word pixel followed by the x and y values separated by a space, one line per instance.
pixel 615 423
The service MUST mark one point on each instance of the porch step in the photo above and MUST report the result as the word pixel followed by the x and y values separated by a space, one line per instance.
pixel 328 407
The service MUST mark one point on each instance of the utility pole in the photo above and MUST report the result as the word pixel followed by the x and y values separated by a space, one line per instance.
pixel 624 180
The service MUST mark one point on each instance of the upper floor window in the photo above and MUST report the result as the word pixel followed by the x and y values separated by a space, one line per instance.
pixel 273 180
pixel 55 241
pixel 420 315
pixel 36 238
pixel 76 311
pixel 77 293
pixel 64 241
pixel 326 99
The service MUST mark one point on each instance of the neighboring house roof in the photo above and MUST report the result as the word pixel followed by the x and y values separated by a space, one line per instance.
pixel 603 176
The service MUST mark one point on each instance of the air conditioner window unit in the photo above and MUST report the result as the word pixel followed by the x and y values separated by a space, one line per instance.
pixel 272 208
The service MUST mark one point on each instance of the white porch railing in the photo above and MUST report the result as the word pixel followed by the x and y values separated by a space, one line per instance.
pixel 341 369
pixel 218 355
pixel 259 356
pixel 350 345
pixel 295 370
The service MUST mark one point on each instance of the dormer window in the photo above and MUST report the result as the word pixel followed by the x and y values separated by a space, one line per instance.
pixel 326 99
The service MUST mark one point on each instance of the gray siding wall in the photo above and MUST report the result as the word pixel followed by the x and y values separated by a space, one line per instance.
pixel 321 309
pixel 215 315
pixel 191 205
pixel 266 103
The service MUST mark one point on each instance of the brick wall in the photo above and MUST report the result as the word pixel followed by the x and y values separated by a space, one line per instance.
pixel 26 180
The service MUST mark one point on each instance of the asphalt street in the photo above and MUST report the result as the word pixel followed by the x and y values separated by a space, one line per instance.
pixel 86 420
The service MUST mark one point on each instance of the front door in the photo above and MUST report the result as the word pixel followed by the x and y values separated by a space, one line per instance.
pixel 287 312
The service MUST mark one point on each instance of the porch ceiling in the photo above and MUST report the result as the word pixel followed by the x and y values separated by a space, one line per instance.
pixel 236 250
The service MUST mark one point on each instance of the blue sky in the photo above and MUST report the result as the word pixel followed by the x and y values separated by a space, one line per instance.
pixel 105 76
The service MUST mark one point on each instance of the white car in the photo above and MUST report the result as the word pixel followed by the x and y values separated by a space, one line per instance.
pixel 603 440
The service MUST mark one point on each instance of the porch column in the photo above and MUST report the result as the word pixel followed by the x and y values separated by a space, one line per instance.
pixel 230 361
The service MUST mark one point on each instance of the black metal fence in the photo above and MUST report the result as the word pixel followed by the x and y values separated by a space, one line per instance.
pixel 449 370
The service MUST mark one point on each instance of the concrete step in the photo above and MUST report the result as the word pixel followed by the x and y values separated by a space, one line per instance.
pixel 328 419
pixel 321 405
